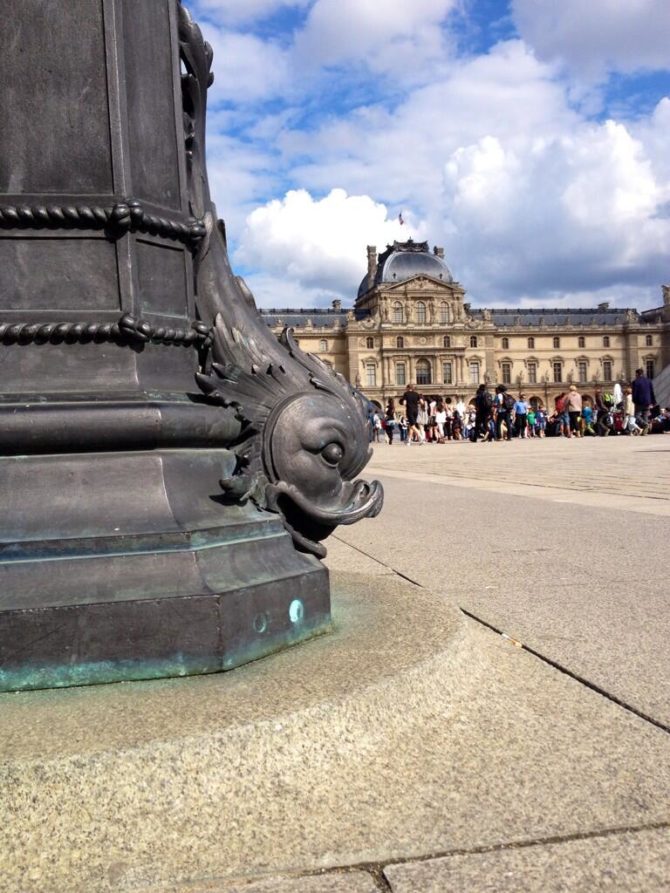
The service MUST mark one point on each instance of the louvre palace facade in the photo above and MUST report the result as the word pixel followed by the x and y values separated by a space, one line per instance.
pixel 411 323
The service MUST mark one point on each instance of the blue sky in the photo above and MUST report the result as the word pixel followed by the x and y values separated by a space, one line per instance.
pixel 529 138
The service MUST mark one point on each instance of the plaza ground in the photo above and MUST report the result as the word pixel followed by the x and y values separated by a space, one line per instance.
pixel 490 713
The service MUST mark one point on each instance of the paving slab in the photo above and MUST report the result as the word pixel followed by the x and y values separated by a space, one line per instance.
pixel 584 585
pixel 627 862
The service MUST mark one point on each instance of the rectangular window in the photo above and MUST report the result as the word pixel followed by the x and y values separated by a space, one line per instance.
pixel 558 371
pixel 474 373
pixel 650 368
pixel 532 373
pixel 583 371
pixel 371 375
pixel 506 373
pixel 607 370
pixel 447 377
pixel 400 374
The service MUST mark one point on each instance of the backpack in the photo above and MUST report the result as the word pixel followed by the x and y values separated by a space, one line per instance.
pixel 508 402
pixel 484 401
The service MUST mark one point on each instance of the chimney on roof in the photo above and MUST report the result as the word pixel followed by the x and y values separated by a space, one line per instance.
pixel 337 304
pixel 605 305
pixel 372 264
pixel 438 252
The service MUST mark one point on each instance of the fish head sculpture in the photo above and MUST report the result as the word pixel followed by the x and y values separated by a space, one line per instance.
pixel 314 446
pixel 304 443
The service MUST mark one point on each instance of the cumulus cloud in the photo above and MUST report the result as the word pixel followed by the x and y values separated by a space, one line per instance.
pixel 247 68
pixel 319 243
pixel 557 215
pixel 533 199
pixel 340 30
pixel 599 36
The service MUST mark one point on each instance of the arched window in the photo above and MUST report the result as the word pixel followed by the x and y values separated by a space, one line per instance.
pixel 398 315
pixel 446 341
pixel 531 344
pixel 505 344
pixel 606 343
pixel 444 312
pixel 420 311
pixel 400 342
pixel 323 344
pixel 581 341
pixel 473 341
pixel 423 372
pixel 557 344
pixel 369 342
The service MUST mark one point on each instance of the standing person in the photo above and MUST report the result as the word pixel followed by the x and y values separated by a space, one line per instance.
pixel 630 425
pixel 643 396
pixel 504 405
pixel 617 394
pixel 460 409
pixel 541 421
pixel 441 421
pixel 562 414
pixel 520 416
pixel 450 415
pixel 587 418
pixel 390 420
pixel 422 419
pixel 531 419
pixel 602 414
pixel 376 426
pixel 573 407
pixel 483 407
pixel 410 400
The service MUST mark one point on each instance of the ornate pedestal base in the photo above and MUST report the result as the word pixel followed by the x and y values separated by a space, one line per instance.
pixel 153 578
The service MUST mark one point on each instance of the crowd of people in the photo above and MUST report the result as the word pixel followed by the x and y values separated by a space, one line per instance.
pixel 630 409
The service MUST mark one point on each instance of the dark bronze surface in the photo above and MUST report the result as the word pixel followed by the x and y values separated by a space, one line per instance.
pixel 168 468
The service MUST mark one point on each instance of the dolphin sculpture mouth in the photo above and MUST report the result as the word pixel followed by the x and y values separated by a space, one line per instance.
pixel 308 521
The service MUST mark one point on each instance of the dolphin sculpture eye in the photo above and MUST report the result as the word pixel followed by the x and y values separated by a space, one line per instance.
pixel 332 453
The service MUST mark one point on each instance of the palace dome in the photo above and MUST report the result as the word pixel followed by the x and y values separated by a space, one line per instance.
pixel 405 260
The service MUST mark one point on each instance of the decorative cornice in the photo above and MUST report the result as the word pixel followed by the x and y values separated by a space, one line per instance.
pixel 127 330
pixel 126 215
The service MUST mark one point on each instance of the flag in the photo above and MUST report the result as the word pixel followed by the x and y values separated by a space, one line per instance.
pixel 400 220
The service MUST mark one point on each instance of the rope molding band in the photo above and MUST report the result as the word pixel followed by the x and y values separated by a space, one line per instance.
pixel 127 215
pixel 127 329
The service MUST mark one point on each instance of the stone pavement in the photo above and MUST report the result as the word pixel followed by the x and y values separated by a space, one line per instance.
pixel 557 551
pixel 519 744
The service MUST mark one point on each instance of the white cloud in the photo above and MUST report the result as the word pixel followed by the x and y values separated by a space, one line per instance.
pixel 532 201
pixel 399 37
pixel 246 67
pixel 598 36
pixel 319 243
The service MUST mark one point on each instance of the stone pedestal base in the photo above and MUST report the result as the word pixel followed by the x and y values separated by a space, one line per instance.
pixel 124 566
